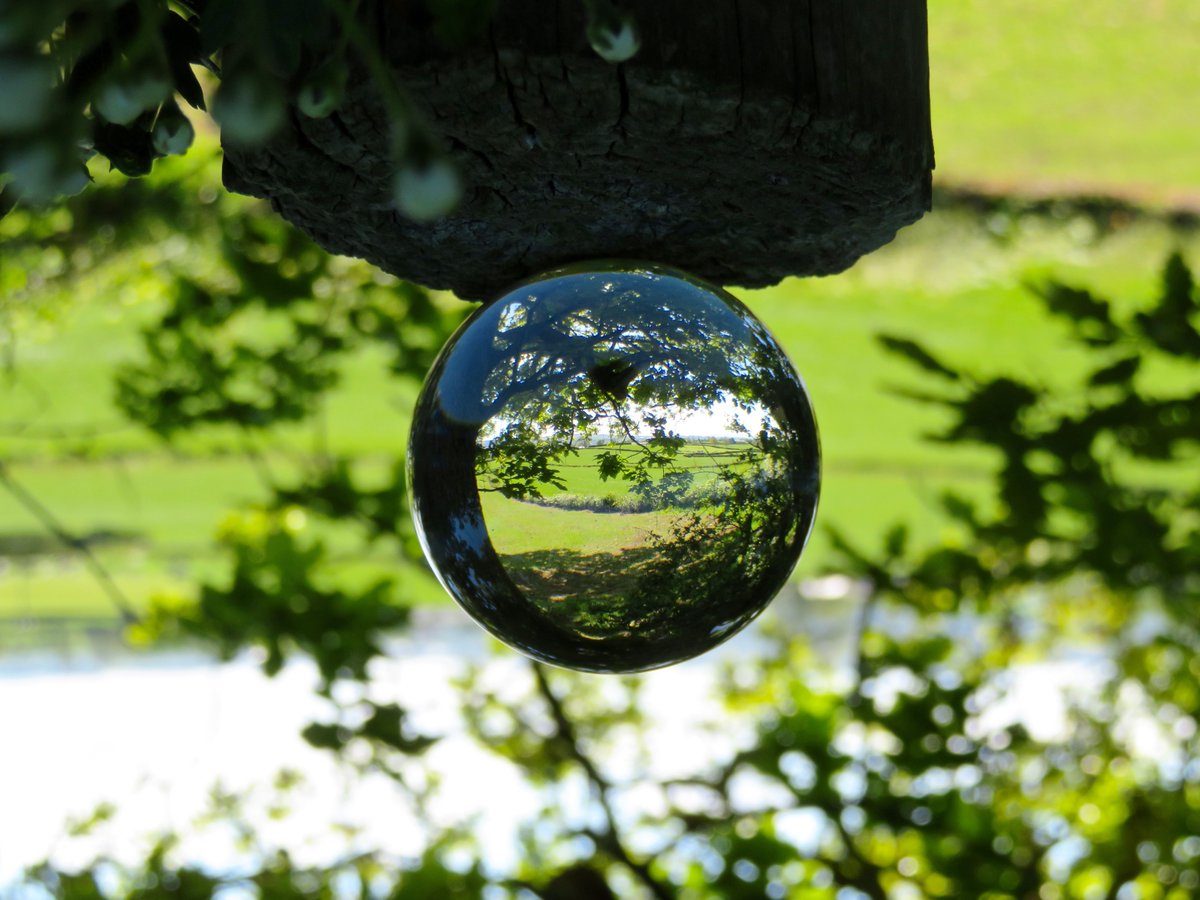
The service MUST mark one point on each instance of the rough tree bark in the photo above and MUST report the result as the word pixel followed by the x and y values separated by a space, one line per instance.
pixel 748 140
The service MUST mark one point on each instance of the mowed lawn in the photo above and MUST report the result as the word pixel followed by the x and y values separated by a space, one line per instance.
pixel 1048 96
pixel 580 471
pixel 519 527
pixel 525 526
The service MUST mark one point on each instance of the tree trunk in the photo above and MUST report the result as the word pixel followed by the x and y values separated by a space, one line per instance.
pixel 747 141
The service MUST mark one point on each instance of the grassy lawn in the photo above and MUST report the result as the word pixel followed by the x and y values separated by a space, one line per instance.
pixel 517 527
pixel 949 281
pixel 1048 95
pixel 1007 78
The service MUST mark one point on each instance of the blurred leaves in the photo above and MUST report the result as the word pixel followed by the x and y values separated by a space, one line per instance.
pixel 246 347
pixel 262 344
pixel 377 737
pixel 93 77
pixel 913 771
pixel 1077 497
pixel 275 875
pixel 276 598
pixel 918 355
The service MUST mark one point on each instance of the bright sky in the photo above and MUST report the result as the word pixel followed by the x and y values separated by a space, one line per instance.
pixel 700 423
pixel 714 422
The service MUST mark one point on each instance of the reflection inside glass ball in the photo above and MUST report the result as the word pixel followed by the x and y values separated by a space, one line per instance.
pixel 613 468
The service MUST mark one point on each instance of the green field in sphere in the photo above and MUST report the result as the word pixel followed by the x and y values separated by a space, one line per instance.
pixel 614 468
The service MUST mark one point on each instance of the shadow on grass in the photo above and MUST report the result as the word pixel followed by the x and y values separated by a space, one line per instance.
pixel 586 593
pixel 16 545
pixel 650 593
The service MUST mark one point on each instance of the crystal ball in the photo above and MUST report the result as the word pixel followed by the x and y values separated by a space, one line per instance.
pixel 613 467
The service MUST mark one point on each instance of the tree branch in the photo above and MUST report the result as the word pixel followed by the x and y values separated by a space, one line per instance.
pixel 611 839
pixel 860 632
pixel 51 523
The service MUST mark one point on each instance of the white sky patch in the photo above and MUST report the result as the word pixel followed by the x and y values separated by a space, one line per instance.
pixel 716 422
pixel 713 422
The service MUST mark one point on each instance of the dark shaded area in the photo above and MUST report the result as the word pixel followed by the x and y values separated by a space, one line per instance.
pixel 1105 211
pixel 745 142
pixel 695 583
pixel 18 544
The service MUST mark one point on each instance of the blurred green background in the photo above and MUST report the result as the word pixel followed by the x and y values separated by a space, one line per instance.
pixel 887 708
pixel 1030 101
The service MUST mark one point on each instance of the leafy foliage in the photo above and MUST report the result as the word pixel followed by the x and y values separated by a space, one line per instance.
pixel 247 348
pixel 262 348
pixel 92 77
pixel 1084 479
pixel 275 599
pixel 909 778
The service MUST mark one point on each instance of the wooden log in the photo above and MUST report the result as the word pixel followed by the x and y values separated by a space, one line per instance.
pixel 747 141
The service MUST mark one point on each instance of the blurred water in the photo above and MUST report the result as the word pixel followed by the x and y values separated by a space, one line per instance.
pixel 154 733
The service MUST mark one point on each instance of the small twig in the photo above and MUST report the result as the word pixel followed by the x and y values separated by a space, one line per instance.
pixel 71 541
pixel 257 461
pixel 860 633
pixel 610 840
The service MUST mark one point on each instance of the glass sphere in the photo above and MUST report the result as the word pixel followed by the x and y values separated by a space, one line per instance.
pixel 613 467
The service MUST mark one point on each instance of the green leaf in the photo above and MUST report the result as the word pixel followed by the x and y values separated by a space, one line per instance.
pixel 896 540
pixel 915 353
pixel 182 42
pixel 1091 316
pixel 325 736
pixel 1169 325
pixel 130 150
pixel 1119 372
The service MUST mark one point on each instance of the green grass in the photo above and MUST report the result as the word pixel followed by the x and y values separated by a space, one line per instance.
pixel 1032 95
pixel 1044 95
pixel 949 281
pixel 518 527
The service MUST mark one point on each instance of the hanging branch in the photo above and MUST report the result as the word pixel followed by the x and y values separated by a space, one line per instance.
pixel 77 544
pixel 611 839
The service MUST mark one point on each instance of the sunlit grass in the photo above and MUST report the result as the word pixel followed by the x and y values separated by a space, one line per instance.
pixel 1051 96
pixel 519 527
pixel 1027 94
pixel 951 282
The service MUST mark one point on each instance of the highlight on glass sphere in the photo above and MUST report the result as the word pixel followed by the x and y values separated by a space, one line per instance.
pixel 613 467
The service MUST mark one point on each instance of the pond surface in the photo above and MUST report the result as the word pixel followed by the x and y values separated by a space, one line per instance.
pixel 153 734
